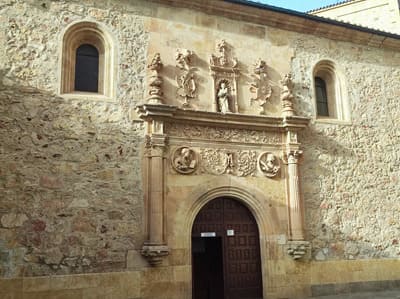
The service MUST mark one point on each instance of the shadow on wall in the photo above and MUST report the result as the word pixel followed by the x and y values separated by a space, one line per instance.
pixel 71 183
pixel 334 212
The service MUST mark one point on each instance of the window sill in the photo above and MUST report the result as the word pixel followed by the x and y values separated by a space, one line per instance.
pixel 87 96
pixel 333 121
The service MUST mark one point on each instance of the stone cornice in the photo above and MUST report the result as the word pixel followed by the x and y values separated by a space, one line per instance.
pixel 290 20
pixel 174 114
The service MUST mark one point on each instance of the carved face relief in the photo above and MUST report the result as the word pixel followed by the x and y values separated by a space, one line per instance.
pixel 268 163
pixel 184 160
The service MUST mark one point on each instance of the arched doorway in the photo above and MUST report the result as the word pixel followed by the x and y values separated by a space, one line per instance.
pixel 226 252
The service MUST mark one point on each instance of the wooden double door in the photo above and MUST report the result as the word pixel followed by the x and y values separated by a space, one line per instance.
pixel 226 252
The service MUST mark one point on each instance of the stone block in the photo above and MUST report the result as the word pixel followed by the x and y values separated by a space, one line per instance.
pixel 36 284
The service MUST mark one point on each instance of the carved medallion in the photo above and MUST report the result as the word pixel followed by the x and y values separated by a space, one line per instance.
pixel 184 160
pixel 155 81
pixel 268 164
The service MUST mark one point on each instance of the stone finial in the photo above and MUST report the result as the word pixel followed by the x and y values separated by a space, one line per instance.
pixel 260 86
pixel 185 77
pixel 223 58
pixel 155 81
pixel 287 95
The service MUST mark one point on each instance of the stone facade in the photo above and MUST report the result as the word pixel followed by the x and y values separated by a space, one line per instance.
pixel 77 193
pixel 377 14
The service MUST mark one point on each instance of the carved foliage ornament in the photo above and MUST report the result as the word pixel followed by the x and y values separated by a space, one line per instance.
pixel 260 86
pixel 268 164
pixel 184 160
pixel 185 77
pixel 223 134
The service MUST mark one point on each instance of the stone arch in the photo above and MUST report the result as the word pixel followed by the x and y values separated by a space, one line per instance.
pixel 98 36
pixel 255 201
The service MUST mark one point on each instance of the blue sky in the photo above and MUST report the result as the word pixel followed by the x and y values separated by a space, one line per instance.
pixel 299 5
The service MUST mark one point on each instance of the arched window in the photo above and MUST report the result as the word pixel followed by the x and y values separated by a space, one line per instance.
pixel 322 98
pixel 87 61
pixel 87 68
pixel 330 92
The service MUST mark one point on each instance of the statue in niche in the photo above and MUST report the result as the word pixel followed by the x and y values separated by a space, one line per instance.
pixel 223 97
pixel 185 77
pixel 184 160
pixel 287 95
pixel 225 72
pixel 268 164
pixel 260 85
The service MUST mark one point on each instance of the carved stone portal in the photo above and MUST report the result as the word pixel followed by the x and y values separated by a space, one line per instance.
pixel 268 163
pixel 260 86
pixel 225 72
pixel 184 160
pixel 185 78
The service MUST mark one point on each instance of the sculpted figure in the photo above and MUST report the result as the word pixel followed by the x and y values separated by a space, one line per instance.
pixel 223 98
pixel 268 164
pixel 184 160
pixel 287 95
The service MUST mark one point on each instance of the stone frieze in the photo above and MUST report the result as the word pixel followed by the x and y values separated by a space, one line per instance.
pixel 212 133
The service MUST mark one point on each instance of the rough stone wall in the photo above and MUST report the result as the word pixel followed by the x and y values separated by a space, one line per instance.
pixel 351 171
pixel 70 175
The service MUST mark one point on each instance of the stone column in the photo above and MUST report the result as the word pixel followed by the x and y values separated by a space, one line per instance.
pixel 155 248
pixel 295 205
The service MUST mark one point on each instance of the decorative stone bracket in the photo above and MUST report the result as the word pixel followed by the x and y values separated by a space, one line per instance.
pixel 299 250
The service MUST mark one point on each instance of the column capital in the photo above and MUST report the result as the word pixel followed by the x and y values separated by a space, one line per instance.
pixel 292 156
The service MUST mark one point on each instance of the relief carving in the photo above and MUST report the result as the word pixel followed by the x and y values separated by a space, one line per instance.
pixel 184 160
pixel 268 163
pixel 287 95
pixel 185 78
pixel 246 163
pixel 220 161
pixel 223 134
pixel 260 86
pixel 224 70
pixel 155 81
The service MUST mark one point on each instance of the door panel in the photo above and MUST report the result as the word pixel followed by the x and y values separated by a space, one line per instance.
pixel 240 252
